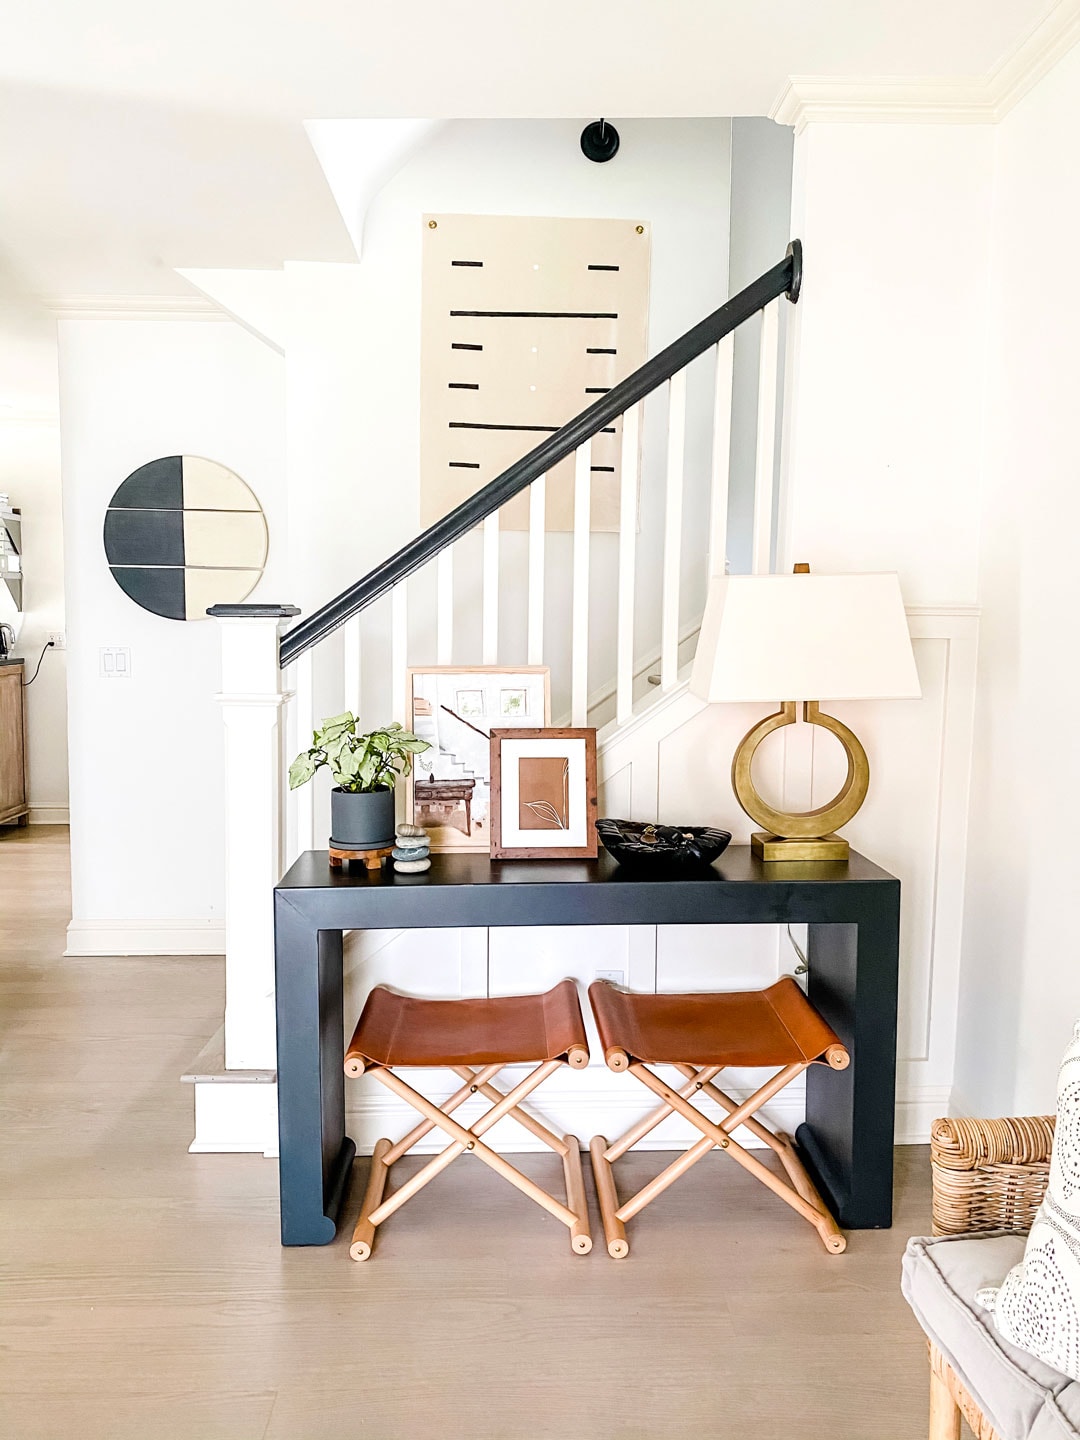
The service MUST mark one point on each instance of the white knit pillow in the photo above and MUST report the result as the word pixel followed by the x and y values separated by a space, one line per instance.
pixel 1038 1304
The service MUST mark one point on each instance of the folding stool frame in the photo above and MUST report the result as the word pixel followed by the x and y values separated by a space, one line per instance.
pixel 801 1194
pixel 574 1214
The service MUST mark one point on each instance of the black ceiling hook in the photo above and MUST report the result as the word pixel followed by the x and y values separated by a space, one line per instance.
pixel 599 141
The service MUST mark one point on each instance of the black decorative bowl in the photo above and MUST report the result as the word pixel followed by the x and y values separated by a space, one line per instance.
pixel 672 848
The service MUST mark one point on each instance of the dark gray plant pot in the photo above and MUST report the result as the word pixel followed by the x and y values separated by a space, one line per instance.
pixel 361 821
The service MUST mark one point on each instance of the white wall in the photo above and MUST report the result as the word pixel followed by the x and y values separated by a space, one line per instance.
pixel 30 474
pixel 146 753
pixel 889 336
pixel 1021 980
pixel 882 471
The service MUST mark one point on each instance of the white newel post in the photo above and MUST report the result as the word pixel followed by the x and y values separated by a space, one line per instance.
pixel 253 701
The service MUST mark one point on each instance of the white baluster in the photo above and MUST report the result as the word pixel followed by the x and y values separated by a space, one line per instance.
pixel 766 441
pixel 721 456
pixel 399 647
pixel 350 634
pixel 579 644
pixel 444 615
pixel 673 508
pixel 537 535
pixel 305 725
pixel 491 589
pixel 628 503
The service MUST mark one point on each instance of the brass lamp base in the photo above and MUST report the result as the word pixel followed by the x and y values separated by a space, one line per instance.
pixel 810 835
pixel 775 847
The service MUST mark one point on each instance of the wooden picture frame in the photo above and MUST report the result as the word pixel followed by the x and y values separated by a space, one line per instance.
pixel 457 813
pixel 564 805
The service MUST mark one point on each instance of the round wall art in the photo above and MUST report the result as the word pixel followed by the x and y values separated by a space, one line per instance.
pixel 183 533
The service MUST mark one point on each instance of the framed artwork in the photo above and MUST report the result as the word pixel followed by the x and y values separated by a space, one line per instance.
pixel 543 794
pixel 524 321
pixel 454 708
pixel 183 533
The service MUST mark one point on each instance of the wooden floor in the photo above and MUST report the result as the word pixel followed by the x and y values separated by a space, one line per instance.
pixel 145 1294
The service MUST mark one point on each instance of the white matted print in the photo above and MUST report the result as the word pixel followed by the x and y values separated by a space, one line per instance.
pixel 455 708
pixel 543 794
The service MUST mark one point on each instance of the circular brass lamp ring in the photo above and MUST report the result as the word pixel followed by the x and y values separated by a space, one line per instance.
pixel 810 824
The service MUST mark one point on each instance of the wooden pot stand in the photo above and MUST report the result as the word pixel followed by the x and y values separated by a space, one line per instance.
pixel 777 1026
pixel 396 1031
pixel 372 859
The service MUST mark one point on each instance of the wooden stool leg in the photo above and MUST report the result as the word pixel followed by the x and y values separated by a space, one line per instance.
pixel 364 1234
pixel 614 1229
pixel 832 1237
pixel 580 1238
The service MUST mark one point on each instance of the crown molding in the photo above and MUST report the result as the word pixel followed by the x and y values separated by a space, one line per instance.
pixel 1035 56
pixel 961 100
pixel 133 307
pixel 822 99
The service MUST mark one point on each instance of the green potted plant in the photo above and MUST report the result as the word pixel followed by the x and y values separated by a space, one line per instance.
pixel 364 769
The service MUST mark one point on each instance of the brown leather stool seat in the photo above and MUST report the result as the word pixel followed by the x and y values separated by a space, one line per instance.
pixel 777 1026
pixel 399 1029
pixel 475 1039
pixel 700 1035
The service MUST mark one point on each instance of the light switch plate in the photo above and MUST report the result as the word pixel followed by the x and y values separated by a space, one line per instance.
pixel 115 662
pixel 617 977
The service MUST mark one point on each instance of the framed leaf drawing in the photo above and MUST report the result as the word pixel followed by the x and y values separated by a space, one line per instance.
pixel 543 794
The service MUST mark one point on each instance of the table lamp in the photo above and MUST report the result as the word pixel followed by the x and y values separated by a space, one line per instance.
pixel 786 638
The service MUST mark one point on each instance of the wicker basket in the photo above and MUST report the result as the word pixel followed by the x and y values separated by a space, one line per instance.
pixel 989 1174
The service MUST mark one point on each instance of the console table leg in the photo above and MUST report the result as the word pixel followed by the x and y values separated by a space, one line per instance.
pixel 315 1154
pixel 847 1140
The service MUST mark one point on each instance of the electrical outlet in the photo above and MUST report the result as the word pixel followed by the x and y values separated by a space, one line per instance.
pixel 57 639
pixel 617 977
pixel 115 662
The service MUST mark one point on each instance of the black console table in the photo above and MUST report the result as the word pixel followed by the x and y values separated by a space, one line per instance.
pixel 852 909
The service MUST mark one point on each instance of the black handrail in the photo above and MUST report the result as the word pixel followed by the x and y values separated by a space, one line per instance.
pixel 782 279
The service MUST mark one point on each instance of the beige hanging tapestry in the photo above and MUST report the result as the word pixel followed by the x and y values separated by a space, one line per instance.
pixel 526 322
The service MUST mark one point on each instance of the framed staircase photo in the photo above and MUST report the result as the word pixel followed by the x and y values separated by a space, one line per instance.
pixel 455 708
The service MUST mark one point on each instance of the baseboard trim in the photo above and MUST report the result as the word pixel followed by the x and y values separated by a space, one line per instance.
pixel 49 815
pixel 146 937
pixel 917 1109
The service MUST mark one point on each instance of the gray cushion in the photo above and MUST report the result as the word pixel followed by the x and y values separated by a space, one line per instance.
pixel 1021 1397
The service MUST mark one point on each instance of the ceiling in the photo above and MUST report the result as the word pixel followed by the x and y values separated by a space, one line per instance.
pixel 139 138
pixel 479 58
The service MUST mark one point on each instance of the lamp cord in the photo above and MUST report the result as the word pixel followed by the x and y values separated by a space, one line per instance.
pixel 47 646
pixel 804 964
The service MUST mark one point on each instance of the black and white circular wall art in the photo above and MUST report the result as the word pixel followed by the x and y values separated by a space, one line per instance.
pixel 183 533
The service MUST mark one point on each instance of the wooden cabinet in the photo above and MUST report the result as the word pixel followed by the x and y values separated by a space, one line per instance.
pixel 13 804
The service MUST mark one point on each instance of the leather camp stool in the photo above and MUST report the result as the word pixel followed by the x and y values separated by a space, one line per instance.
pixel 700 1035
pixel 475 1039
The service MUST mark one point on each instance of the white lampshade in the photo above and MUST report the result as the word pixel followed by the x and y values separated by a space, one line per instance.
pixel 805 637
